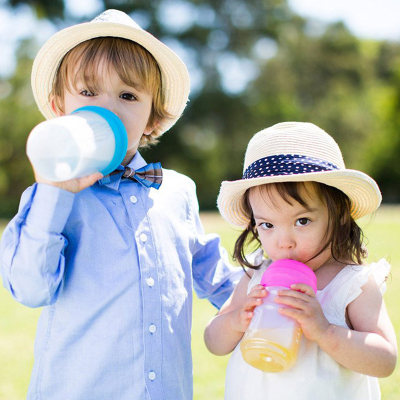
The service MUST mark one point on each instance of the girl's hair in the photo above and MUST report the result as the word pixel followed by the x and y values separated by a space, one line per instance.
pixel 344 235
pixel 133 64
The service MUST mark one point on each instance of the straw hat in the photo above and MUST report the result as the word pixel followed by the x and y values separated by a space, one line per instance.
pixel 296 152
pixel 112 23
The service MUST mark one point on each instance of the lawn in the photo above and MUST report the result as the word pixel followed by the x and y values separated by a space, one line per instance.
pixel 17 323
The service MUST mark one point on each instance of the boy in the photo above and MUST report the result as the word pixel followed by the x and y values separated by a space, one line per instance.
pixel 111 261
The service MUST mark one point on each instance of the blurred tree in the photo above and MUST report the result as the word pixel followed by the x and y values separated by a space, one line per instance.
pixel 319 79
pixel 384 145
pixel 18 115
pixel 227 43
pixel 43 8
pixel 253 63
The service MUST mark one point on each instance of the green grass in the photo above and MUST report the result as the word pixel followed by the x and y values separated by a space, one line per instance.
pixel 18 323
pixel 17 331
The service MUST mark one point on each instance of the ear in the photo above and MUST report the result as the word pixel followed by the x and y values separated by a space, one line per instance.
pixel 147 131
pixel 150 128
pixel 57 110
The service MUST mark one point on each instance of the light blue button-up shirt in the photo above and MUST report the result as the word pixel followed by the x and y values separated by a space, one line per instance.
pixel 113 268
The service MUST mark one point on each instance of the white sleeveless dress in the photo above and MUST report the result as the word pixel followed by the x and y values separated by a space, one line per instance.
pixel 315 376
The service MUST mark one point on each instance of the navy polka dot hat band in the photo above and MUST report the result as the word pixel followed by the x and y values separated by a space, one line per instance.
pixel 296 152
pixel 286 164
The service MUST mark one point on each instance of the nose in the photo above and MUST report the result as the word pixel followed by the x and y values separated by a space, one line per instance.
pixel 106 102
pixel 285 240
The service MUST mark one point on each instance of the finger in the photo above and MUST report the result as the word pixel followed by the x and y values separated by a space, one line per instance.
pixel 291 313
pixel 293 293
pixel 244 319
pixel 293 302
pixel 302 287
pixel 252 303
pixel 258 291
pixel 248 315
pixel 40 179
pixel 257 288
pixel 89 180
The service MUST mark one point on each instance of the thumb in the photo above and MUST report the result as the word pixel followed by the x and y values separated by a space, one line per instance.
pixel 89 180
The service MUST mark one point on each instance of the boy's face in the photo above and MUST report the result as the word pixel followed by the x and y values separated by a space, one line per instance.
pixel 132 104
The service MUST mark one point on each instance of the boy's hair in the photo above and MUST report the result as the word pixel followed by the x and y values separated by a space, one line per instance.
pixel 344 235
pixel 132 63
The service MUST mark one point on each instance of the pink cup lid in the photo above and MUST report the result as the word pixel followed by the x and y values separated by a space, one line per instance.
pixel 287 272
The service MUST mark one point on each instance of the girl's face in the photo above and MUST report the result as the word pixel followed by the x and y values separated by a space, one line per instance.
pixel 132 104
pixel 291 230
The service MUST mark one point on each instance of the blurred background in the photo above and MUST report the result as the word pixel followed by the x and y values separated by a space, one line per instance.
pixel 253 63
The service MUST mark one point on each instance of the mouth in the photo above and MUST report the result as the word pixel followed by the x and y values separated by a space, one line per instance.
pixel 287 257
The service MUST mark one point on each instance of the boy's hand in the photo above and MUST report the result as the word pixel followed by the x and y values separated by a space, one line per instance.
pixel 72 185
pixel 305 309
pixel 243 315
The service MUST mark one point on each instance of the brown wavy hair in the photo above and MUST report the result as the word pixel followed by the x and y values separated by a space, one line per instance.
pixel 133 64
pixel 344 235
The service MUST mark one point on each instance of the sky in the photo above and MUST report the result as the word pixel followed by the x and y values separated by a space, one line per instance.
pixel 379 19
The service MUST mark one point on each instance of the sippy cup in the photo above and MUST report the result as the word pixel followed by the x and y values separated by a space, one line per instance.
pixel 88 140
pixel 272 340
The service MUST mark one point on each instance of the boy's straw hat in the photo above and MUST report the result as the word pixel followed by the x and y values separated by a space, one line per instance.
pixel 114 23
pixel 296 152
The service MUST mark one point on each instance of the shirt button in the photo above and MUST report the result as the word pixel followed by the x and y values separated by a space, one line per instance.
pixel 133 199
pixel 143 237
pixel 152 328
pixel 152 375
pixel 150 282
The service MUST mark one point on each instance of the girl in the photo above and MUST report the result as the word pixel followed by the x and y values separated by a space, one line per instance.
pixel 297 200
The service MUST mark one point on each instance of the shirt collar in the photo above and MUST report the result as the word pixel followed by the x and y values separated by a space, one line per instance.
pixel 113 181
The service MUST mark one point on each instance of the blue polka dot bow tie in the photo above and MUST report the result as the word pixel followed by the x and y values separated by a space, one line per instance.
pixel 148 176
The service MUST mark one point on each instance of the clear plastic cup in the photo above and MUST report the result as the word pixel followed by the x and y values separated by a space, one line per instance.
pixel 89 140
pixel 272 340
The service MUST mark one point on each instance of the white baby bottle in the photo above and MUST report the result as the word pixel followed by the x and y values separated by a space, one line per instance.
pixel 89 140
pixel 271 341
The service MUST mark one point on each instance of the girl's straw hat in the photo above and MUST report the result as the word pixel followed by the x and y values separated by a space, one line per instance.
pixel 111 23
pixel 296 152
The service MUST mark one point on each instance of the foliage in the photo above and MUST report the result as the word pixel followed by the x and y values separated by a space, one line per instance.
pixel 385 152
pixel 18 115
pixel 43 8
pixel 253 63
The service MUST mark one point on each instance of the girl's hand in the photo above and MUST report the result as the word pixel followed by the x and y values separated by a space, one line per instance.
pixel 242 316
pixel 305 309
pixel 72 185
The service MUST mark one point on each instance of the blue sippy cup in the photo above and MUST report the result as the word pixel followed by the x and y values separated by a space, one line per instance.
pixel 89 140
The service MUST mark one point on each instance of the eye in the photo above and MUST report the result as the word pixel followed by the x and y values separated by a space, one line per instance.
pixel 266 225
pixel 128 96
pixel 302 221
pixel 86 93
